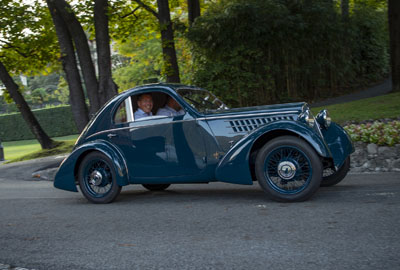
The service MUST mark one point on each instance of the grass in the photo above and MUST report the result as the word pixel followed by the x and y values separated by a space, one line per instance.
pixel 30 149
pixel 386 106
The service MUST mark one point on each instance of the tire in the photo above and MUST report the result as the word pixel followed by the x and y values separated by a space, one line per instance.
pixel 97 179
pixel 332 178
pixel 303 173
pixel 156 187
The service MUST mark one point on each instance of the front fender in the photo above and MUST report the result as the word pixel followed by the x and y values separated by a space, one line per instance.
pixel 235 166
pixel 65 177
pixel 339 143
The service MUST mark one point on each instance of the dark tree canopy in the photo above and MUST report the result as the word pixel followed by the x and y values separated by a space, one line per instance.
pixel 394 29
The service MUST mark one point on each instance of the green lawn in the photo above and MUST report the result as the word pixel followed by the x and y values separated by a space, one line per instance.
pixel 387 106
pixel 18 149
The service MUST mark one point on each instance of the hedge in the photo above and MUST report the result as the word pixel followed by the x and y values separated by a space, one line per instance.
pixel 57 121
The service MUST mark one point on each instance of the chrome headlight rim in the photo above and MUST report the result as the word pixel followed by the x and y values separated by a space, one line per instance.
pixel 308 117
pixel 323 118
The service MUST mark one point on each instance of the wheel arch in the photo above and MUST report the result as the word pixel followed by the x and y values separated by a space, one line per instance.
pixel 239 161
pixel 66 177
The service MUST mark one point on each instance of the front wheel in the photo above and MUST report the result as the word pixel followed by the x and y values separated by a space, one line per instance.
pixel 288 169
pixel 97 178
pixel 332 177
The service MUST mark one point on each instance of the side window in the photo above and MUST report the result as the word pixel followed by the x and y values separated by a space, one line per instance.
pixel 124 112
pixel 170 107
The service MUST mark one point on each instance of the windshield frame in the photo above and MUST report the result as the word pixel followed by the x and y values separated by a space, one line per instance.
pixel 203 104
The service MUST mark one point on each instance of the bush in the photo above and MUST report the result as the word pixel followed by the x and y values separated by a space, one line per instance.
pixel 377 132
pixel 252 52
pixel 56 122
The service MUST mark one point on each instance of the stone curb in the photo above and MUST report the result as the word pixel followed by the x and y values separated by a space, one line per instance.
pixel 9 267
pixel 373 158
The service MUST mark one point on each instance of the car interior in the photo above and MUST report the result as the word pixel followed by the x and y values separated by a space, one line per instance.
pixel 159 101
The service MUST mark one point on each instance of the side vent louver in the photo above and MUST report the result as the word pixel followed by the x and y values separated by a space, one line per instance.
pixel 247 125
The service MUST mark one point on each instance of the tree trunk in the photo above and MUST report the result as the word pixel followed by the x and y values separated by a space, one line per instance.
pixel 193 10
pixel 168 44
pixel 345 9
pixel 68 60
pixel 29 117
pixel 107 87
pixel 394 22
pixel 82 48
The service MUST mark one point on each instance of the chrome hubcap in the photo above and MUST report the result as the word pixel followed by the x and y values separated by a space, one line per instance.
pixel 286 170
pixel 96 178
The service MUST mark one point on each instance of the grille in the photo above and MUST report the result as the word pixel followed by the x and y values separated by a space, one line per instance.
pixel 246 125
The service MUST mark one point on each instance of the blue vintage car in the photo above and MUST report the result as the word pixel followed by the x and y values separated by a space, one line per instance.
pixel 284 147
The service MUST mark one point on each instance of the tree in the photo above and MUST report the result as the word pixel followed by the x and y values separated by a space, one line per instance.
pixel 80 40
pixel 45 141
pixel 98 92
pixel 193 10
pixel 394 22
pixel 107 87
pixel 68 60
pixel 283 51
pixel 163 16
pixel 27 45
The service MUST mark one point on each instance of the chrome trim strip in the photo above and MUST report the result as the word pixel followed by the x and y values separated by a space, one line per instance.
pixel 245 115
pixel 131 128
pixel 129 110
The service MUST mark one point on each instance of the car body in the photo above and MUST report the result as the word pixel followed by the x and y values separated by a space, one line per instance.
pixel 284 147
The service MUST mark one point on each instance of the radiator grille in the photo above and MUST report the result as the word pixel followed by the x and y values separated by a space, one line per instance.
pixel 246 125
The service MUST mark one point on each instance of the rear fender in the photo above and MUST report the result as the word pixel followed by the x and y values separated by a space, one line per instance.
pixel 235 165
pixel 65 177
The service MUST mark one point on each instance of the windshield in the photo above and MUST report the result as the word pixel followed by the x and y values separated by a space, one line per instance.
pixel 202 100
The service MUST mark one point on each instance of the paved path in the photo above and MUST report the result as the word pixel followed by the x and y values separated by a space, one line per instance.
pixel 377 90
pixel 354 225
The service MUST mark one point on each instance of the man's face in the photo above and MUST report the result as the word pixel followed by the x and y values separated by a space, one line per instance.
pixel 145 103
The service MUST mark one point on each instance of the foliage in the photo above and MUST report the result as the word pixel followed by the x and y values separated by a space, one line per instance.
pixel 28 42
pixel 62 92
pixel 260 52
pixel 137 35
pixel 145 61
pixel 377 132
pixel 55 121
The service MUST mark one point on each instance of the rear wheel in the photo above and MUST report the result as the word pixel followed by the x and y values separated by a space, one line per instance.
pixel 288 169
pixel 97 178
pixel 155 187
pixel 331 177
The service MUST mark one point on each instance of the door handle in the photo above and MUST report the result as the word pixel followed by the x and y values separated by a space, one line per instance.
pixel 111 135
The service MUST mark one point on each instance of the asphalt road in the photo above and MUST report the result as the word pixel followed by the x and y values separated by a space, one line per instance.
pixel 355 225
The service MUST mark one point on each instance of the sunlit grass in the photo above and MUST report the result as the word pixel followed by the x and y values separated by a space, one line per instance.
pixel 29 149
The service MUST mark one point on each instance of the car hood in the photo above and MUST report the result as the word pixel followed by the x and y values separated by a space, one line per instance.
pixel 277 108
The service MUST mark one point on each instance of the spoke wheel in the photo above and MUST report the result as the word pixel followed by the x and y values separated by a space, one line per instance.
pixel 288 169
pixel 97 178
pixel 331 177
pixel 156 187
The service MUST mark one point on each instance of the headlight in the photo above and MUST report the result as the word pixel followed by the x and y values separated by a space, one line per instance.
pixel 324 119
pixel 308 118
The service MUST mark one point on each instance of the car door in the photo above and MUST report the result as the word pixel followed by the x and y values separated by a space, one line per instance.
pixel 161 149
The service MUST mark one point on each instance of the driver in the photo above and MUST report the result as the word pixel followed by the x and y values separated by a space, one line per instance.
pixel 145 105
pixel 172 108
